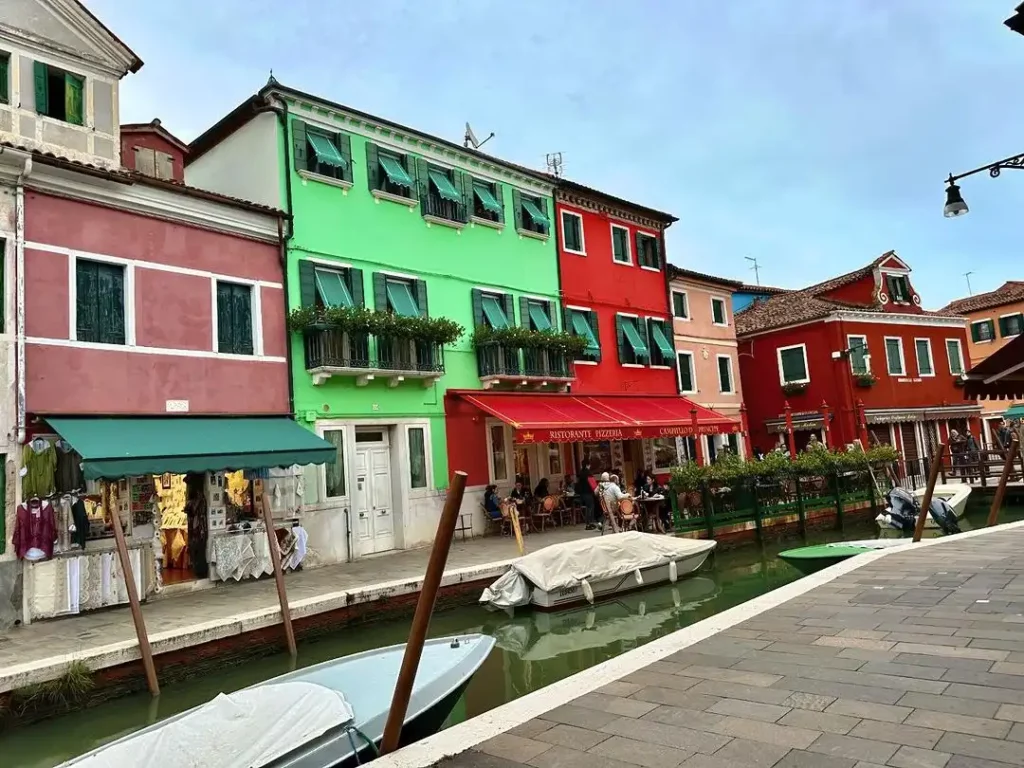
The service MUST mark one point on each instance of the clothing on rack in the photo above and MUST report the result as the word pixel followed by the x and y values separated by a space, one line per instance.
pixel 68 475
pixel 35 530
pixel 39 460
pixel 80 519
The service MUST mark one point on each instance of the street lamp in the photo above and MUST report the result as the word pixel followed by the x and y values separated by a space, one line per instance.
pixel 955 205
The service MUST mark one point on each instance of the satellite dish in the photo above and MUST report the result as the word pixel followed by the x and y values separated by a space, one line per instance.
pixel 471 140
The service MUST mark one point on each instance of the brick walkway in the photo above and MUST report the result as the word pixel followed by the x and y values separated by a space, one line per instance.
pixel 915 660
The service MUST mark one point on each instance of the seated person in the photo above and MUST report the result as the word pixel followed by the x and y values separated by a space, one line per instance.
pixel 541 491
pixel 492 502
pixel 612 495
pixel 518 493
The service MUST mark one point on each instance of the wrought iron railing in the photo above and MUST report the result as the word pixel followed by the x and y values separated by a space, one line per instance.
pixel 435 205
pixel 502 360
pixel 333 348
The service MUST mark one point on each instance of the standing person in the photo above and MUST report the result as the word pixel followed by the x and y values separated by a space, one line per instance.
pixel 973 452
pixel 585 492
pixel 1004 435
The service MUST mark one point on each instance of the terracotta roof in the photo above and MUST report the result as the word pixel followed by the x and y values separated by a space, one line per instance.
pixel 765 289
pixel 155 126
pixel 1009 292
pixel 678 272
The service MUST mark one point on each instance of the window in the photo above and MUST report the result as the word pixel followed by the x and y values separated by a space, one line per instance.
pixel 680 305
pixel 150 162
pixel 725 374
pixel 662 351
pixel 99 302
pixel 332 288
pixel 894 356
pixel 982 331
pixel 687 375
pixel 417 457
pixel 487 201
pixel 537 315
pixel 665 454
pixel 923 350
pixel 335 473
pixel 1011 325
pixel 493 310
pixel 859 361
pixel 648 252
pixel 390 172
pixel 444 196
pixel 793 364
pixel 719 315
pixel 572 233
pixel 955 355
pixel 531 213
pixel 583 322
pixel 631 333
pixel 499 459
pixel 620 245
pixel 369 435
pixel 5 77
pixel 322 152
pixel 234 318
pixel 554 459
pixel 59 94
pixel 406 297
pixel 899 291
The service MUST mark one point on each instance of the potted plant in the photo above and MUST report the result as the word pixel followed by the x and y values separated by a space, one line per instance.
pixel 794 388
pixel 865 380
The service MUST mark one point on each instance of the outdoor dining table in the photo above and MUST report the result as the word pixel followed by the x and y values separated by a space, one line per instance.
pixel 651 504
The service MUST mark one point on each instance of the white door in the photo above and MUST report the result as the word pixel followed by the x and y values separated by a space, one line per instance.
pixel 375 521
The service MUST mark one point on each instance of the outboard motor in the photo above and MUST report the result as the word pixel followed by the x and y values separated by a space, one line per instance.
pixel 902 511
pixel 944 516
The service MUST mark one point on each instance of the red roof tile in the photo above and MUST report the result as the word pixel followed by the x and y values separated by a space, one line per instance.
pixel 1009 292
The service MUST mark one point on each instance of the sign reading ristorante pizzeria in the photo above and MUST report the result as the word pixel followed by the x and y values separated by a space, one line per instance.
pixel 620 433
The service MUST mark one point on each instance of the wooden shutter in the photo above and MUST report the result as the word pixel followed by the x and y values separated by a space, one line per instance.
pixel 553 313
pixel 300 149
pixel 420 287
pixel 74 105
pixel 225 332
pixel 380 292
pixel 524 312
pixel 307 283
pixel 372 166
pixel 644 328
pixel 510 307
pixel 468 198
pixel 477 297
pixel 355 285
pixel 499 195
pixel 111 309
pixel 241 321
pixel 344 144
pixel 5 94
pixel 86 301
pixel 420 172
pixel 42 88
pixel 620 339
pixel 592 319
pixel 657 252
pixel 517 207
pixel 1004 326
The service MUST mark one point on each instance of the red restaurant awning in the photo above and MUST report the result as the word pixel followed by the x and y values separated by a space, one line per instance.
pixel 567 418
pixel 1000 376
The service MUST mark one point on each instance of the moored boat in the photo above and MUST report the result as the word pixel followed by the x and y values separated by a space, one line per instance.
pixel 331 714
pixel 807 560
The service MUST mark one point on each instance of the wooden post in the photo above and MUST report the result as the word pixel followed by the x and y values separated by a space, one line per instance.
pixel 275 557
pixel 862 423
pixel 133 596
pixel 800 511
pixel 421 619
pixel 926 502
pixel 748 450
pixel 709 509
pixel 789 429
pixel 698 438
pixel 838 493
pixel 757 508
pixel 823 409
pixel 997 500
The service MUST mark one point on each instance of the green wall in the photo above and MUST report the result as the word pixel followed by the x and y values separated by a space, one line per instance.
pixel 355 229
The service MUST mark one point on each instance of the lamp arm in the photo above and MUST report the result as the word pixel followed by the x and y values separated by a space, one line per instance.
pixel 994 169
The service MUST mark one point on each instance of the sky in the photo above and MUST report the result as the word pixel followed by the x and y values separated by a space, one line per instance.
pixel 812 135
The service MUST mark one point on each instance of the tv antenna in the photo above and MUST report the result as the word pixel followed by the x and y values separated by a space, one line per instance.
pixel 757 273
pixel 554 163
pixel 968 276
pixel 470 139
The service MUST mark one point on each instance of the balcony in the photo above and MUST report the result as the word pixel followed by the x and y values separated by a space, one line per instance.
pixel 523 366
pixel 444 212
pixel 365 357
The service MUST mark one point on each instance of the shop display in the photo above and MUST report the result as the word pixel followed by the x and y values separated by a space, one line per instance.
pixel 68 473
pixel 39 467
pixel 35 530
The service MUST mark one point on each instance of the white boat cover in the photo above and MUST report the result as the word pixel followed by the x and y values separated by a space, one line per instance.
pixel 246 729
pixel 592 560
pixel 870 543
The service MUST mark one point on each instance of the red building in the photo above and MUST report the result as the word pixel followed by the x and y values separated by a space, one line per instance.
pixel 854 357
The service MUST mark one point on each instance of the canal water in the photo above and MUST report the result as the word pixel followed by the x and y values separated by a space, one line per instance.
pixel 533 649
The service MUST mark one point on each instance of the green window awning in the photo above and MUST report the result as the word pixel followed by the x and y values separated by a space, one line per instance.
pixel 486 198
pixel 444 186
pixel 494 313
pixel 539 316
pixel 581 327
pixel 325 150
pixel 395 172
pixel 1014 411
pixel 633 337
pixel 113 448
pixel 535 214
pixel 661 341
pixel 332 289
pixel 401 299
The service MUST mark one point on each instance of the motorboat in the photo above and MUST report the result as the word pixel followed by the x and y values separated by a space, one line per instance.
pixel 328 715
pixel 807 560
pixel 948 499
pixel 587 570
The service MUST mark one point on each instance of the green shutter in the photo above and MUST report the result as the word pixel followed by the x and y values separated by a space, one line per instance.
pixel 510 307
pixel 420 287
pixel 74 104
pixel 660 339
pixel 975 332
pixel 553 313
pixel 594 327
pixel 442 183
pixel 355 285
pixel 344 143
pixel 539 317
pixel 5 97
pixel 225 317
pixel 420 172
pixel 724 374
pixel 517 207
pixel 641 256
pixel 499 198
pixel 858 356
pixel 794 367
pixel 372 166
pixel 380 292
pixel 464 182
pixel 110 284
pixel 656 248
pixel 477 299
pixel 620 339
pixel 685 371
pixel 401 298
pixel 241 309
pixel 524 312
pixel 307 283
pixel 86 304
pixel 299 150
pixel 325 149
pixel 42 88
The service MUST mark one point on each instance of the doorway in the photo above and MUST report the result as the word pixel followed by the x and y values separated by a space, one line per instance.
pixel 373 499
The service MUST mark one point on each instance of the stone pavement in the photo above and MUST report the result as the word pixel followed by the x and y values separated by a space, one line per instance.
pixel 105 638
pixel 914 660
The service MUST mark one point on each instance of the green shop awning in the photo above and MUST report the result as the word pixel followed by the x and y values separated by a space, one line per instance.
pixel 1015 411
pixel 535 213
pixel 113 448
pixel 486 198
pixel 661 341
pixel 401 300
pixel 444 187
pixel 633 337
pixel 540 318
pixel 325 150
pixel 395 172
pixel 581 327
pixel 331 286
pixel 494 313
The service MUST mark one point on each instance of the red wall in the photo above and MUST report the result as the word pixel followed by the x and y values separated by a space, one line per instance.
pixel 466 432
pixel 596 282
pixel 175 354
pixel 151 140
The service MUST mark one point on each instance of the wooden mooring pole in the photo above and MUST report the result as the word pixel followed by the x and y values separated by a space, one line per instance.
pixel 997 500
pixel 926 502
pixel 421 619
pixel 275 557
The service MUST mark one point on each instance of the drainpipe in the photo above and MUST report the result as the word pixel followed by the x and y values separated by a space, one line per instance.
pixel 19 257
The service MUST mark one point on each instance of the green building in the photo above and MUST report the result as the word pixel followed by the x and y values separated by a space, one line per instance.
pixel 388 218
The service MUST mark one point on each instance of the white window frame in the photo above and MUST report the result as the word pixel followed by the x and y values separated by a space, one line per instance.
pixel 348 447
pixel 693 372
pixel 629 245
pixel 255 321
pixel 686 299
pixel 807 364
pixel 903 357
pixel 725 311
pixel 128 300
pixel 931 358
pixel 732 378
pixel 960 352
pixel 576 308
pixel 510 462
pixel 428 464
pixel 661 256
pixel 1008 314
pixel 583 242
pixel 995 330
pixel 666 326
pixel 867 355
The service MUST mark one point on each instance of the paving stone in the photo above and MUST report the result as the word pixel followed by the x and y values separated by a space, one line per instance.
pixel 769 713
pixel 1008 667
pixel 685 739
pixel 531 728
pixel 1010 712
pixel 897 733
pixel 979 726
pixel 774 695
pixel 810 649
pixel 930 649
pixel 643 678
pixel 865 764
pixel 1007 646
pixel 751 753
pixel 563 757
pixel 912 757
pixel 616 705
pixel 619 688
pixel 798 758
pixel 854 642
pixel 801 660
pixel 949 704
pixel 711 761
pixel 841 690
pixel 943 662
pixel 473 758
pixel 666 667
pixel 687 718
pixel 978 746
pixel 1015 682
pixel 808 701
pixel 819 721
pixel 571 736
pixel 683 699
pixel 962 761
pixel 512 747
pixel 755 730
pixel 579 716
pixel 731 676
pixel 917 628
pixel 689 657
pixel 863 634
pixel 985 693
pixel 902 670
pixel 837 745
pixel 640 752
pixel 1016 733
pixel 916 637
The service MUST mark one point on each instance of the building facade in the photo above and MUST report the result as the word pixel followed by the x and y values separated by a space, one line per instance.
pixel 747 294
pixel 854 357
pixel 400 224
pixel 707 367
pixel 994 319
